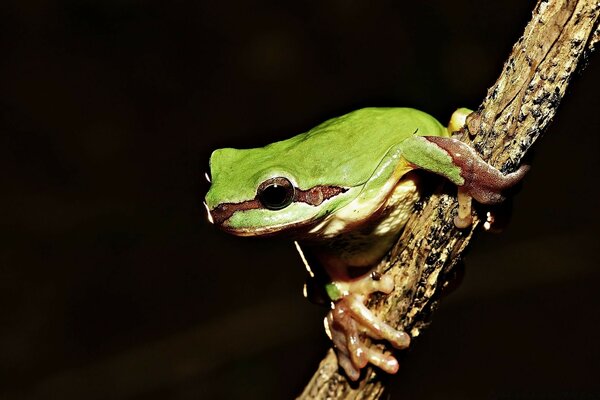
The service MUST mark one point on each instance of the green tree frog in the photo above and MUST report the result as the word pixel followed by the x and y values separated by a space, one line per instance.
pixel 344 191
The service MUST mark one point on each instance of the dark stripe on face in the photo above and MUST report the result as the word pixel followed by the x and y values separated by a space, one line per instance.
pixel 313 196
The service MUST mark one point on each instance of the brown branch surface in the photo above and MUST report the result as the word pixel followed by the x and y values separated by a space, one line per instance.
pixel 516 111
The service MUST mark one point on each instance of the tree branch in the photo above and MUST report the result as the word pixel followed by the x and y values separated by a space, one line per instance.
pixel 517 109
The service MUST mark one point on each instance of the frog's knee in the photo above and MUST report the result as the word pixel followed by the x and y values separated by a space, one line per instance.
pixel 458 119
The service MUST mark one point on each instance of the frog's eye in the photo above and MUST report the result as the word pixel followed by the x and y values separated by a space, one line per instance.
pixel 275 193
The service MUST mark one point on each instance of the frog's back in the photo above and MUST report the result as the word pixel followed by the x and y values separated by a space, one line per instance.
pixel 389 125
pixel 354 144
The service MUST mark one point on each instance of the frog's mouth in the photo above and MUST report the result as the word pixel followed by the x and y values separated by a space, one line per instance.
pixel 221 214
pixel 296 227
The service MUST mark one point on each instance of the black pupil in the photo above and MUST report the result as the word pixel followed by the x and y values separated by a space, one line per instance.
pixel 276 196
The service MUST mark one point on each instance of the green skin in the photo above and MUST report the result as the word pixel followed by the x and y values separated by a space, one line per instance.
pixel 345 178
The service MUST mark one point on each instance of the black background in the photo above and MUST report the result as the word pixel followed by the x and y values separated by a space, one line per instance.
pixel 114 286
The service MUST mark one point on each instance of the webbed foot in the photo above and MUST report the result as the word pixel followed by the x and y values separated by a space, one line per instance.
pixel 350 321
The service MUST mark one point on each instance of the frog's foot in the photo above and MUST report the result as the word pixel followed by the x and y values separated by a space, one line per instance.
pixel 350 320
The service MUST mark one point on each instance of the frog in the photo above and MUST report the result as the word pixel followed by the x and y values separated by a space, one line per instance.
pixel 343 191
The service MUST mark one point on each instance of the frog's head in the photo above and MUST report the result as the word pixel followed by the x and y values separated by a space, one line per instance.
pixel 258 192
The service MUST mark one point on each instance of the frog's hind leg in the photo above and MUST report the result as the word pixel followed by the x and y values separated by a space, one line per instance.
pixel 458 120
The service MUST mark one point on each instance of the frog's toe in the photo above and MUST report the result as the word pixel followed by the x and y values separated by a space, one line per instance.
pixel 351 371
pixel 374 326
pixel 383 360
pixel 344 334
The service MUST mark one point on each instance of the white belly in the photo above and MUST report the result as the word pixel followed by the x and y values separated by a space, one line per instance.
pixel 364 244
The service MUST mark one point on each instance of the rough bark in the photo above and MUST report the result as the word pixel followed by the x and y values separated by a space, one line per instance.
pixel 517 109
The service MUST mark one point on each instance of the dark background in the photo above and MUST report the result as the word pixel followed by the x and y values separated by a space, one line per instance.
pixel 114 286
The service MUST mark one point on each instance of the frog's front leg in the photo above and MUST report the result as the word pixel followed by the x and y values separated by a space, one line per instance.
pixel 461 164
pixel 481 181
pixel 350 320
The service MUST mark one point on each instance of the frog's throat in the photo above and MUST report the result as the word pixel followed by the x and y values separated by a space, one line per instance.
pixel 313 196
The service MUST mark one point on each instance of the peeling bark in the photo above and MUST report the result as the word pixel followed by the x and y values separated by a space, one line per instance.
pixel 516 111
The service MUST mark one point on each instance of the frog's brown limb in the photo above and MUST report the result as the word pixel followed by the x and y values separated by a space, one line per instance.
pixel 350 320
pixel 482 181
